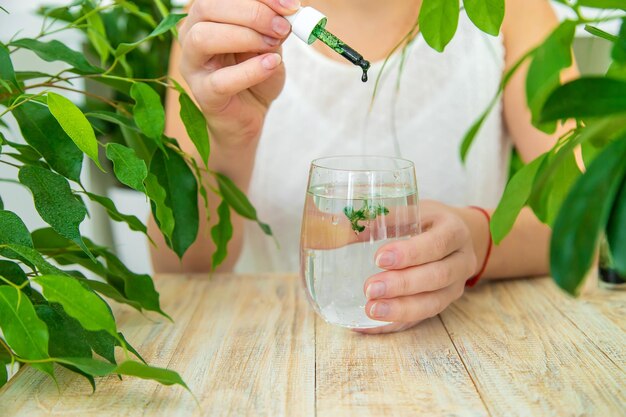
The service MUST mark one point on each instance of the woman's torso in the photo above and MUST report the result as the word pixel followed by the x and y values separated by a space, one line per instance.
pixel 324 110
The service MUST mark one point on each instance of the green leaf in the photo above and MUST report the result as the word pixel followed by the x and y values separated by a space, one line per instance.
pixel 549 190
pixel 616 229
pixel 111 117
pixel 487 15
pixel 513 200
pixel 195 125
pixel 148 111
pixel 89 365
pixel 111 292
pixel 175 176
pixel 103 344
pixel 128 167
pixel 34 258
pixel 603 4
pixel 235 197
pixel 24 332
pixel 13 230
pixel 549 59
pixel 585 97
pixel 221 234
pixel 4 377
pixel 6 67
pixel 132 221
pixel 140 370
pixel 166 24
pixel 75 124
pixel 67 337
pixel 619 48
pixel 42 131
pixel 78 302
pixel 163 215
pixel 96 34
pixel 600 33
pixel 438 21
pixel 55 202
pixel 57 51
pixel 12 271
pixel 584 214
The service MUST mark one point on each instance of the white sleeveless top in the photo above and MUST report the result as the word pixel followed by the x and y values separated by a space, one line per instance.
pixel 323 111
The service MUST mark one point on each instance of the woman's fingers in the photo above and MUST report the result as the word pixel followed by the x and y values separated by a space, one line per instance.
pixel 207 39
pixel 424 278
pixel 265 16
pixel 445 235
pixel 414 307
pixel 390 328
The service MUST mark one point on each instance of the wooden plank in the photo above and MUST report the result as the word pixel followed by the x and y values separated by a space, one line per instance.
pixel 599 314
pixel 413 373
pixel 32 393
pixel 527 359
pixel 250 351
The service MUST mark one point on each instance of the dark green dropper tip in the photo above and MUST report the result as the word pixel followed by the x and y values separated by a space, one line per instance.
pixel 342 49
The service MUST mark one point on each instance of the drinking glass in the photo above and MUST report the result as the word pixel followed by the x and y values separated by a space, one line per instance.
pixel 354 205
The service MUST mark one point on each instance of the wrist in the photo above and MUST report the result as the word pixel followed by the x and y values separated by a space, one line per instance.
pixel 477 221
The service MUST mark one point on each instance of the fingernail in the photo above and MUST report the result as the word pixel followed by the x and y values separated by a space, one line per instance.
pixel 280 25
pixel 271 61
pixel 290 4
pixel 385 259
pixel 271 41
pixel 379 310
pixel 375 290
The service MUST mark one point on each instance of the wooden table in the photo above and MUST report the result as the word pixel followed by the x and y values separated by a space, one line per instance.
pixel 252 346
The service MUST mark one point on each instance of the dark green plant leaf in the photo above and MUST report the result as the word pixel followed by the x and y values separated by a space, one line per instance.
pixel 41 131
pixel 140 370
pixel 103 344
pixel 75 124
pixel 111 292
pixel 89 365
pixel 128 167
pixel 24 332
pixel 616 229
pixel 595 31
pixel 585 97
pixel 148 112
pixel 195 125
pixel 78 302
pixel 1 204
pixel 34 258
pixel 96 34
pixel 111 117
pixel 513 200
pixel 13 230
pixel 7 72
pixel 221 234
pixel 619 48
pixel 132 221
pixel 438 21
pixel 4 377
pixel 584 214
pixel 175 176
pixel 603 4
pixel 549 59
pixel 55 202
pixel 166 24
pixel 12 271
pixel 57 51
pixel 239 202
pixel 487 15
pixel 163 215
pixel 549 190
pixel 67 337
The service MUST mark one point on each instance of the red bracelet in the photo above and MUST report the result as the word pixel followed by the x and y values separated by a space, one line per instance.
pixel 473 280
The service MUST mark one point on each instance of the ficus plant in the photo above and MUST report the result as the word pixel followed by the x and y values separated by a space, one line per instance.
pixel 581 205
pixel 50 312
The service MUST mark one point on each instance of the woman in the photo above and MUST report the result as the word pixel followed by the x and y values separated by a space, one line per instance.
pixel 273 104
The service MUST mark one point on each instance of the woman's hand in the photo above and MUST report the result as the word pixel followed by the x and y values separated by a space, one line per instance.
pixel 426 273
pixel 231 61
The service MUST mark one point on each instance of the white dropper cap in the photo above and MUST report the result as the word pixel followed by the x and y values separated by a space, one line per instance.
pixel 304 21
